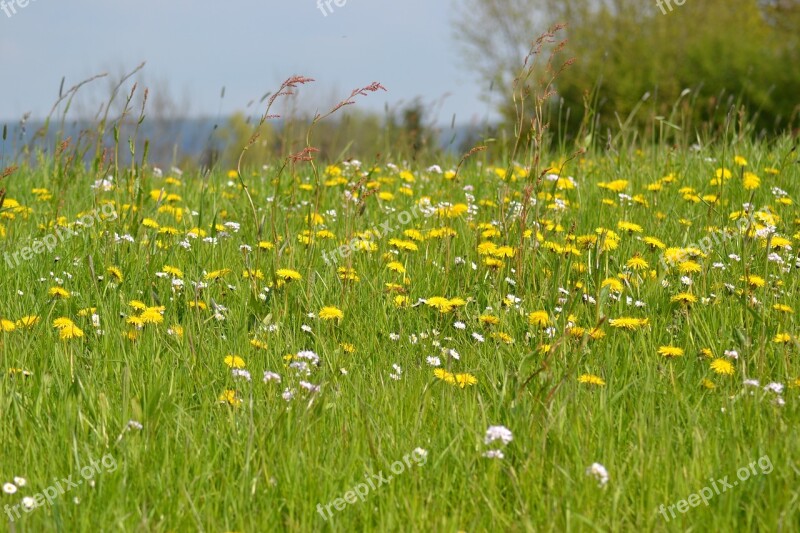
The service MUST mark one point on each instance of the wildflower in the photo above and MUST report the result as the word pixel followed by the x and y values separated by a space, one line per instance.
pixel 465 380
pixel 115 273
pixel 539 318
pixel 599 472
pixel 670 351
pixel 495 433
pixel 229 397
pixel 630 324
pixel 58 293
pixel 271 376
pixel 234 361
pixel 754 281
pixel 591 379
pixel 494 454
pixel 722 366
pixel 9 488
pixel 685 298
pixel 330 313
pixel 288 275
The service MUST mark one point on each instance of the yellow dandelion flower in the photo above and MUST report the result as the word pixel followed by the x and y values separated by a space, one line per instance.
pixel 331 313
pixel 27 321
pixel 782 338
pixel 465 380
pixel 754 281
pixel 708 384
pixel 396 266
pixel 670 351
pixel 234 361
pixel 685 298
pixel 7 325
pixel 722 366
pixel 539 318
pixel 115 273
pixel 591 379
pixel 288 275
pixel 229 397
pixel 217 274
pixel 58 293
pixel 628 323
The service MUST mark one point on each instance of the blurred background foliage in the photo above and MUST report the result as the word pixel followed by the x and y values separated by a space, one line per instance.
pixel 726 52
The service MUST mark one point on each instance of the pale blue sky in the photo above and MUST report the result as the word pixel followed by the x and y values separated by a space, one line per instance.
pixel 249 46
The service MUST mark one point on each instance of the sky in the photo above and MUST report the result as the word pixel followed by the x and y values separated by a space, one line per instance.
pixel 247 46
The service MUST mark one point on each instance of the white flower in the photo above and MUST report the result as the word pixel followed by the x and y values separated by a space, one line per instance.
pixel 501 433
pixel 394 336
pixel 751 382
pixel 306 328
pixel 494 454
pixel 459 325
pixel 133 424
pixel 433 360
pixel 28 502
pixel 20 481
pixel 420 452
pixel 734 257
pixel 777 388
pixel 686 280
pixel 271 376
pixel 733 354
pixel 240 373
pixel 9 488
pixel 477 336
pixel 287 394
pixel 398 372
pixel 309 386
pixel 599 472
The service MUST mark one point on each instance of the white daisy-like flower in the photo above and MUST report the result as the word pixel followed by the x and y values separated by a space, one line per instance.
pixel 394 336
pixel 477 336
pixel 494 454
pixel 306 328
pixel 20 481
pixel 9 488
pixel 459 325
pixel 433 360
pixel 28 502
pixel 501 433
pixel 599 472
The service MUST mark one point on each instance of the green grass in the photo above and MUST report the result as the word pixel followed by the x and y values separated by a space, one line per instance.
pixel 267 463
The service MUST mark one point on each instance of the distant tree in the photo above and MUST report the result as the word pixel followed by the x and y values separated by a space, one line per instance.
pixel 628 48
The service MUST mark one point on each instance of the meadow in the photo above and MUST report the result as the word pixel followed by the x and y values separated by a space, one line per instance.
pixel 608 343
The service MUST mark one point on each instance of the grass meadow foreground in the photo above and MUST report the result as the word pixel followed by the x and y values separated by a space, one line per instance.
pixel 612 346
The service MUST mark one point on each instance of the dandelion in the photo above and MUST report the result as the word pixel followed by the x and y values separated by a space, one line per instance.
pixel 330 313
pixel 670 351
pixel 539 318
pixel 234 361
pixel 286 274
pixel 58 293
pixel 591 379
pixel 631 324
pixel 229 397
pixel 722 367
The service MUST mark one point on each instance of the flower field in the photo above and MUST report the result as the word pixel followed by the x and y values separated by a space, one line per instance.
pixel 580 350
